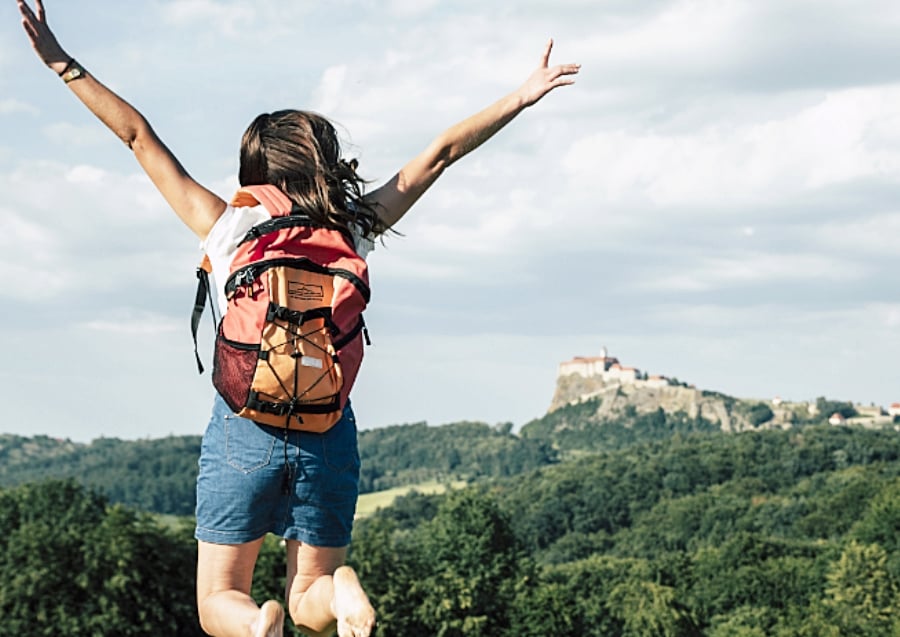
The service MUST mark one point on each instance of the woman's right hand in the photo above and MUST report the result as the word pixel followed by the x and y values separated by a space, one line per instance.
pixel 545 78
pixel 41 37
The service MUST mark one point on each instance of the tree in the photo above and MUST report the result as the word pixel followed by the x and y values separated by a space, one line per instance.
pixel 881 521
pixel 70 564
pixel 648 608
pixel 827 407
pixel 861 593
pixel 472 567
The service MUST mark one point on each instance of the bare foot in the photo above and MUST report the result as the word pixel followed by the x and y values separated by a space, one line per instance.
pixel 270 622
pixel 355 615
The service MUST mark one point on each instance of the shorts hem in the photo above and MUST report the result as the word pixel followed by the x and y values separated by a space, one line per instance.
pixel 211 536
pixel 316 540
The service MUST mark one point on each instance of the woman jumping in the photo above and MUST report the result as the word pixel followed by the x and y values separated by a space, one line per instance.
pixel 298 152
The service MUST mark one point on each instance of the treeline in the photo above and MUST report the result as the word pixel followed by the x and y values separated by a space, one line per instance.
pixel 410 454
pixel 158 475
pixel 577 427
pixel 764 534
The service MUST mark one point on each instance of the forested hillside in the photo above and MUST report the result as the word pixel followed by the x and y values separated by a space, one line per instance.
pixel 158 475
pixel 747 535
pixel 410 454
pixel 757 534
pixel 155 475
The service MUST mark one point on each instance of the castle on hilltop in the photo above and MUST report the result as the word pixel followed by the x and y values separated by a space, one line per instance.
pixel 617 385
pixel 608 369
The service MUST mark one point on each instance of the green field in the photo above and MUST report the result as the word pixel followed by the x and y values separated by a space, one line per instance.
pixel 371 502
pixel 367 505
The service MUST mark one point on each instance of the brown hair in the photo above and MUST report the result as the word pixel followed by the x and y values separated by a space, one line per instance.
pixel 299 152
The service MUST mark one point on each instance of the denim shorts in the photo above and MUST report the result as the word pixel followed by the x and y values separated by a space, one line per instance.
pixel 255 479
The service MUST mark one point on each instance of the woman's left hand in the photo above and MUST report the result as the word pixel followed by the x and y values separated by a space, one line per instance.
pixel 42 38
pixel 545 78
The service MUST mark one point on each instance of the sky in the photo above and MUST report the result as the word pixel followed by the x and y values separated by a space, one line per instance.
pixel 716 199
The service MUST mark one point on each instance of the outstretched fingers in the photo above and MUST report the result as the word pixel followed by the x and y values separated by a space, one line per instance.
pixel 545 57
pixel 562 74
pixel 42 39
pixel 29 22
pixel 29 16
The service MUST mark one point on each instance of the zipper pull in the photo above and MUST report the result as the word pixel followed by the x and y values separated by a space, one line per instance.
pixel 246 281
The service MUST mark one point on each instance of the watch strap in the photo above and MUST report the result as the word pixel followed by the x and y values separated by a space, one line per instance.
pixel 73 71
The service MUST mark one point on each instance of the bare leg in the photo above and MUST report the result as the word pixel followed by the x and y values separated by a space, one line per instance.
pixel 323 595
pixel 224 577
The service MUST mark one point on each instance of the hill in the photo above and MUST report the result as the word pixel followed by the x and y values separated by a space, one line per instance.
pixel 782 533
pixel 615 399
pixel 585 524
pixel 155 475
pixel 158 475
pixel 619 392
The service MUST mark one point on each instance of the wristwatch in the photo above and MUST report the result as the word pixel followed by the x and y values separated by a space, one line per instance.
pixel 73 72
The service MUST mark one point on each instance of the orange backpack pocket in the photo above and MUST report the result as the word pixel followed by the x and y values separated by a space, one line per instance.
pixel 281 368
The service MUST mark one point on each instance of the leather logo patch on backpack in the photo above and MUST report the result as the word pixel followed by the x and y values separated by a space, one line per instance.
pixel 303 291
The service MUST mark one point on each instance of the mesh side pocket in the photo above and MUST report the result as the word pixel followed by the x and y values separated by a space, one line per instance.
pixel 233 369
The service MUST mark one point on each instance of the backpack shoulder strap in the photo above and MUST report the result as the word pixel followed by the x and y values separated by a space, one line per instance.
pixel 275 201
pixel 204 294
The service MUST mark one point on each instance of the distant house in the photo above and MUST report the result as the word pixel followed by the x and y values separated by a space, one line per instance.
pixel 837 419
pixel 609 370
pixel 871 411
pixel 657 380
pixel 588 366
pixel 604 366
pixel 622 373
pixel 894 409
pixel 777 401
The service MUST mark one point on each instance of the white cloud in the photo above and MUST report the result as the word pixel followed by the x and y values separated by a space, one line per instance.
pixel 63 133
pixel 411 8
pixel 329 93
pixel 135 322
pixel 891 314
pixel 228 18
pixel 737 159
pixel 823 145
pixel 682 34
pixel 10 106
pixel 753 268
pixel 80 229
pixel 875 234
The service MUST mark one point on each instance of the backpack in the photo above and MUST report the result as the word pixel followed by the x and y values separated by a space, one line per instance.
pixel 291 341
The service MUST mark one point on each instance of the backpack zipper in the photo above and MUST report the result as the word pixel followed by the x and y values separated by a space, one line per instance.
pixel 246 275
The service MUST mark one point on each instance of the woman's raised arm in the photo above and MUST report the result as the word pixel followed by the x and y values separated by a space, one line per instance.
pixel 195 205
pixel 395 198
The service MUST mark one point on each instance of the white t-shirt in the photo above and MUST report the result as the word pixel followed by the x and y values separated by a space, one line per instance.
pixel 222 241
